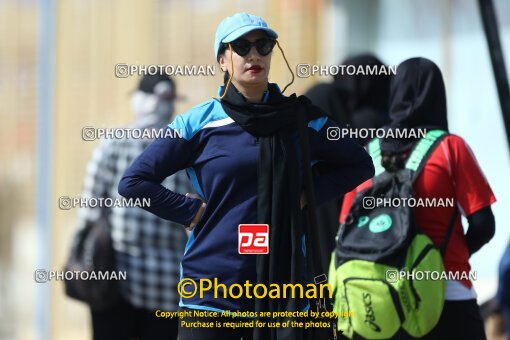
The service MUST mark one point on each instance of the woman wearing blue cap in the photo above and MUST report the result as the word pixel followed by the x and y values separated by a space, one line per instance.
pixel 244 153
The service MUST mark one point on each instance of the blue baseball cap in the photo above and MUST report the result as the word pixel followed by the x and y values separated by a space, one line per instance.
pixel 238 25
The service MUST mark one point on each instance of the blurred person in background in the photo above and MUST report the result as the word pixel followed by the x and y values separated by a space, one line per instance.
pixel 355 101
pixel 243 153
pixel 418 101
pixel 149 249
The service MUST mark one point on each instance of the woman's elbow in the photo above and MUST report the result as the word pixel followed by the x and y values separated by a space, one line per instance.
pixel 125 187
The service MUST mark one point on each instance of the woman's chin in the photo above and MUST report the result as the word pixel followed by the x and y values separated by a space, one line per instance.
pixel 254 80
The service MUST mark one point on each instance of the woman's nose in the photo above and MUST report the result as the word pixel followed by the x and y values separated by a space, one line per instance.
pixel 253 53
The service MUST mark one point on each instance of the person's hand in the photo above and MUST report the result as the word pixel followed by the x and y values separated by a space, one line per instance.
pixel 199 213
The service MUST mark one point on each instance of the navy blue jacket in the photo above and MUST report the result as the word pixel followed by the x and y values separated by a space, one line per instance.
pixel 221 161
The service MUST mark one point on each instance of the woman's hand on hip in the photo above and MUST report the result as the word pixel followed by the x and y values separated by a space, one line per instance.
pixel 199 213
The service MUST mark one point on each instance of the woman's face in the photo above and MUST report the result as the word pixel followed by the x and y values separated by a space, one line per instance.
pixel 251 69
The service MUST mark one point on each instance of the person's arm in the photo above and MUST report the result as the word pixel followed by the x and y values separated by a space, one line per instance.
pixel 481 229
pixel 472 192
pixel 342 164
pixel 143 178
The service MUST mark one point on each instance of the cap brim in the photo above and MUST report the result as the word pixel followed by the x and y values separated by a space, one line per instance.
pixel 246 29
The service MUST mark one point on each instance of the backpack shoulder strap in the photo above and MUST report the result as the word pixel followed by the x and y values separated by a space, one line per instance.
pixel 416 162
pixel 449 232
pixel 374 150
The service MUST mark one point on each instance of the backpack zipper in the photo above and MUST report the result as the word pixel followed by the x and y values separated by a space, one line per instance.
pixel 420 257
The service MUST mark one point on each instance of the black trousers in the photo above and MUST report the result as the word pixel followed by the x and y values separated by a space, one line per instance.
pixel 125 322
pixel 459 320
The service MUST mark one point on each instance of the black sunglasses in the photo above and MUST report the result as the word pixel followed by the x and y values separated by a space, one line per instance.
pixel 264 46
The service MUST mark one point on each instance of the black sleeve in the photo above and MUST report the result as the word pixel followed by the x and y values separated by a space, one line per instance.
pixel 481 229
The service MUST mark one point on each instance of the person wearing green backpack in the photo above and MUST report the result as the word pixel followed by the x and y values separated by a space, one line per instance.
pixel 375 241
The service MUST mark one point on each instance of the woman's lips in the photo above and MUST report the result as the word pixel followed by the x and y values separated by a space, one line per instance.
pixel 255 69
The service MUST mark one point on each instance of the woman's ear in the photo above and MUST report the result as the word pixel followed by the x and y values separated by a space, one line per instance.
pixel 222 62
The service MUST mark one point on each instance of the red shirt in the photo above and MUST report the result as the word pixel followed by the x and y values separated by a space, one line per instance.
pixel 451 172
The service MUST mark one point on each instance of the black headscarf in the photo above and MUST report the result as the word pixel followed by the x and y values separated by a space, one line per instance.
pixel 278 195
pixel 363 91
pixel 417 100
pixel 360 101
